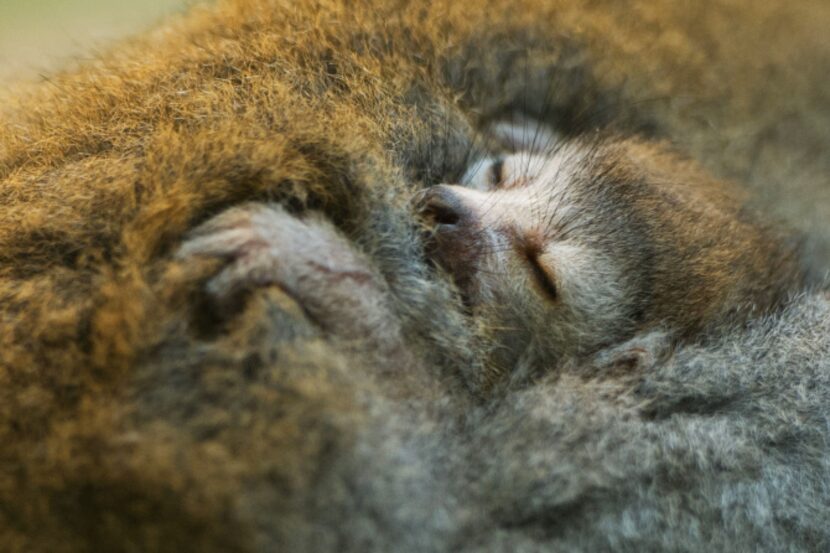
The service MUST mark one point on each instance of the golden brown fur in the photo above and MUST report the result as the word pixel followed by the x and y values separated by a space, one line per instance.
pixel 131 420
pixel 714 259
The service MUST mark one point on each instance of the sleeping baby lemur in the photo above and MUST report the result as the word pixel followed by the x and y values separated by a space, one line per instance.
pixel 567 247
pixel 563 248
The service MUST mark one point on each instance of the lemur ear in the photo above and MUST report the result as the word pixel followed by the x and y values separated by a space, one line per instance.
pixel 519 132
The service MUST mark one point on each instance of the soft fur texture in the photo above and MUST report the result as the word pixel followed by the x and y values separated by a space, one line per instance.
pixel 135 417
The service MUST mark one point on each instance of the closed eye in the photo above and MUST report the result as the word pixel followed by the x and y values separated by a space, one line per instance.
pixel 543 277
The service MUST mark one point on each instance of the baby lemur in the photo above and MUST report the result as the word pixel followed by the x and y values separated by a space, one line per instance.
pixel 585 243
pixel 562 247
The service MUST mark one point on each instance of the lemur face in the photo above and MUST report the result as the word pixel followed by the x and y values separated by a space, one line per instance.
pixel 514 222
pixel 521 239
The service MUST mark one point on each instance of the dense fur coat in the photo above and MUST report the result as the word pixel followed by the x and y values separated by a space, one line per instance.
pixel 137 416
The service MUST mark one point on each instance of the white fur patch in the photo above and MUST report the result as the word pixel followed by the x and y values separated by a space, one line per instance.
pixel 523 133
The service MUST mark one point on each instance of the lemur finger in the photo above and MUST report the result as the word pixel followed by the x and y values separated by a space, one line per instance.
pixel 245 273
pixel 227 243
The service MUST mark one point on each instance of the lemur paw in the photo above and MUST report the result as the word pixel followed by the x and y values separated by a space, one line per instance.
pixel 305 257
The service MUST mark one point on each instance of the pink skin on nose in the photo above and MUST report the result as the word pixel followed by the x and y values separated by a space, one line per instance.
pixel 455 241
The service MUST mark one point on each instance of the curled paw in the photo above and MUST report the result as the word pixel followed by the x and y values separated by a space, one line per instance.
pixel 310 260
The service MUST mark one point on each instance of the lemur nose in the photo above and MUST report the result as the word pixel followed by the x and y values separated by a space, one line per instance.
pixel 453 241
pixel 443 206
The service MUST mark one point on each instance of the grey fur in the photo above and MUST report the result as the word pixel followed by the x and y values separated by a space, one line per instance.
pixel 721 448
pixel 709 447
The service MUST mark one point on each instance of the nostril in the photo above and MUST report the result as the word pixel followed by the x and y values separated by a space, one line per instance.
pixel 441 206
pixel 441 213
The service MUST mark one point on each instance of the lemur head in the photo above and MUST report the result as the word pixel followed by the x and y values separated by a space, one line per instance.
pixel 534 245
pixel 565 246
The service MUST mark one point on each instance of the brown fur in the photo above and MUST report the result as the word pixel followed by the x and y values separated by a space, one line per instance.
pixel 130 420
pixel 713 258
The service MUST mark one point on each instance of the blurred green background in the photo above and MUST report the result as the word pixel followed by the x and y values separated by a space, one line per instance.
pixel 37 36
